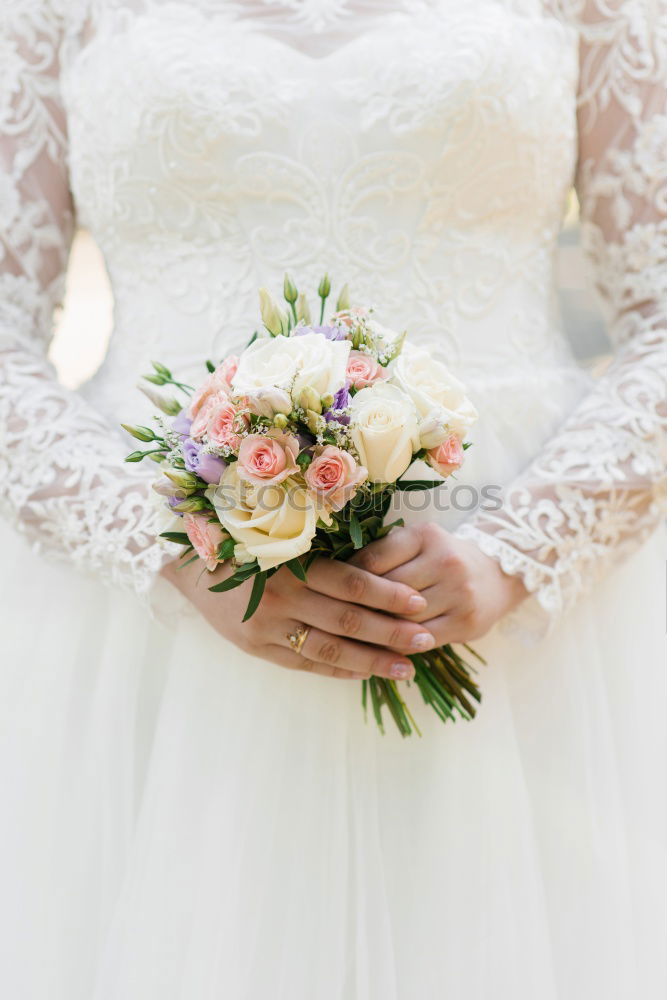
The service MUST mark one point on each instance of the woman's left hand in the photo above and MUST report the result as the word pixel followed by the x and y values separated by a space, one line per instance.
pixel 466 591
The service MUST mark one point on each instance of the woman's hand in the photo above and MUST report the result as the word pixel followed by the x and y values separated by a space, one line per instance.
pixel 347 638
pixel 466 591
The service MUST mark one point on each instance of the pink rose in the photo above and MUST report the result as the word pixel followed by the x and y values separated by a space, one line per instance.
pixel 227 370
pixel 225 425
pixel 268 459
pixel 212 386
pixel 334 476
pixel 447 457
pixel 205 537
pixel 363 370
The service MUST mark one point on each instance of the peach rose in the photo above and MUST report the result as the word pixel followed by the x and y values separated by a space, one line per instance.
pixel 212 386
pixel 363 370
pixel 268 458
pixel 334 476
pixel 447 457
pixel 205 537
pixel 224 425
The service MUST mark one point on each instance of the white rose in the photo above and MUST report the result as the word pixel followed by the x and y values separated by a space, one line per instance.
pixel 293 362
pixel 272 523
pixel 439 397
pixel 384 430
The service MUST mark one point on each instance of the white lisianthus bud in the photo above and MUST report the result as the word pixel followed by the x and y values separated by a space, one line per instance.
pixel 280 421
pixel 274 318
pixel 179 477
pixel 289 290
pixel 303 310
pixel 327 401
pixel 140 433
pixel 190 505
pixel 343 301
pixel 315 422
pixel 324 287
pixel 310 400
pixel 168 404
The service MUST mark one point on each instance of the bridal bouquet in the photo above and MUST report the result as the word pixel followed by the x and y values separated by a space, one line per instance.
pixel 293 450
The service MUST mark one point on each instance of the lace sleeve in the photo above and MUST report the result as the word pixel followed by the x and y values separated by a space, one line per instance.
pixel 63 479
pixel 599 488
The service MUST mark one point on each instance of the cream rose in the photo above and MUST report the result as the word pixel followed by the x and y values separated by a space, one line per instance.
pixel 384 430
pixel 439 397
pixel 293 363
pixel 270 523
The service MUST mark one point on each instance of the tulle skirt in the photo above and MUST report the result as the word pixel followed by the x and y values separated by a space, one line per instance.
pixel 181 821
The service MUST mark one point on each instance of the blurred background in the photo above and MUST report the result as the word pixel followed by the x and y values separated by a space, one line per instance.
pixel 84 326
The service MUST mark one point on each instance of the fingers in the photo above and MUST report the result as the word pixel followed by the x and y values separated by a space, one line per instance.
pixel 294 661
pixel 398 547
pixel 349 583
pixel 355 622
pixel 335 651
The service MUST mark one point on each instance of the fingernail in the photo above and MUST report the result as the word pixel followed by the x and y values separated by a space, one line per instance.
pixel 401 671
pixel 423 640
pixel 417 603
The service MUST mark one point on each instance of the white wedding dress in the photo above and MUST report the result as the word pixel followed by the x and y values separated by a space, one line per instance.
pixel 181 821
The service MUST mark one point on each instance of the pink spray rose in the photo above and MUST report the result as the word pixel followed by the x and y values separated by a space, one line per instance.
pixel 268 459
pixel 227 370
pixel 447 457
pixel 363 370
pixel 334 476
pixel 204 413
pixel 225 424
pixel 205 537
pixel 210 387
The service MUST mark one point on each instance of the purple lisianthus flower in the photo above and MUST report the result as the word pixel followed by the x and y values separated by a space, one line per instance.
pixel 181 424
pixel 173 501
pixel 341 402
pixel 330 332
pixel 208 467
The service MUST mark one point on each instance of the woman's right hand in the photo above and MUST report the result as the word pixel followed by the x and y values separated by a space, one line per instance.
pixel 349 635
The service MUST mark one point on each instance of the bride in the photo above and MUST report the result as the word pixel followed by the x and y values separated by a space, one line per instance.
pixel 182 817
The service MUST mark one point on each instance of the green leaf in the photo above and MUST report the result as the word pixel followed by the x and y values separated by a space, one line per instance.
pixel 210 366
pixel 187 563
pixel 179 537
pixel 294 566
pixel 229 584
pixel 255 595
pixel 226 549
pixel 356 534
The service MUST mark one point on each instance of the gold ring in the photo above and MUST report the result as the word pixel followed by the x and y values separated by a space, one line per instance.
pixel 297 638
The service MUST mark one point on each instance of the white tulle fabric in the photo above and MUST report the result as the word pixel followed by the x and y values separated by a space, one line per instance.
pixel 186 821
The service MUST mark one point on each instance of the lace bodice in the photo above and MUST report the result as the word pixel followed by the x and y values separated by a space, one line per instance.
pixel 420 150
